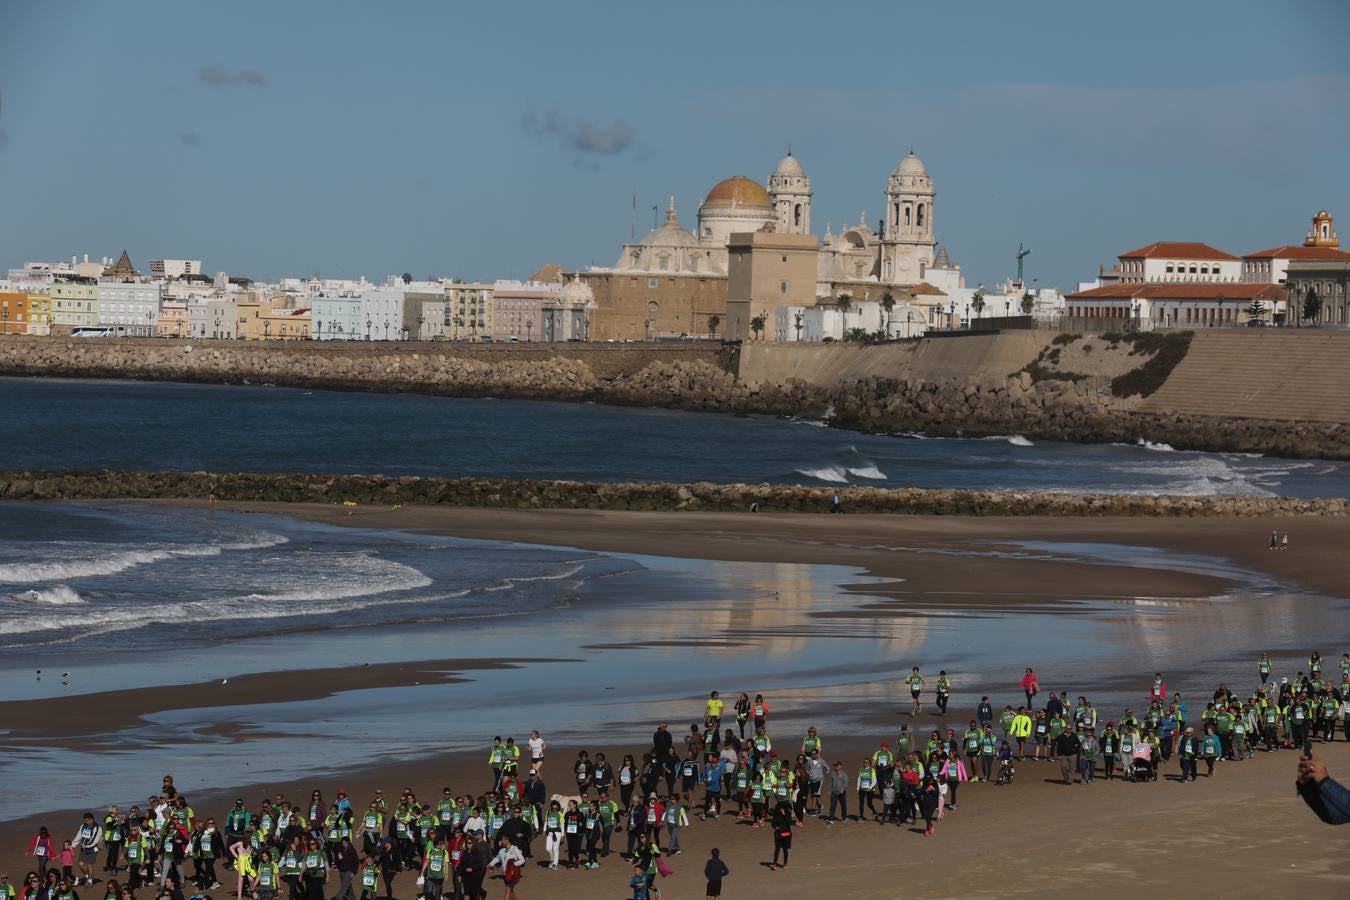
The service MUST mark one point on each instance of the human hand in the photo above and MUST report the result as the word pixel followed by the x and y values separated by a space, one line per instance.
pixel 1311 770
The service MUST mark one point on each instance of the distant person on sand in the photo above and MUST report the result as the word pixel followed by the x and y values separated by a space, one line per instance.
pixel 1031 686
pixel 1323 794
pixel 836 505
pixel 1284 541
pixel 714 870
pixel 1274 540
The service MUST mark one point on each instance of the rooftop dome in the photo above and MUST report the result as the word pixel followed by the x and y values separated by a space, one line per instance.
pixel 670 234
pixel 738 191
pixel 911 165
pixel 788 165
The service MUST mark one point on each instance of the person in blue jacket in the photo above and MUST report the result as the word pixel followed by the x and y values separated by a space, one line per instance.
pixel 1324 795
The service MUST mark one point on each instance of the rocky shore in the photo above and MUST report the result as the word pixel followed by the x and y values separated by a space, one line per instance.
pixel 698 378
pixel 519 494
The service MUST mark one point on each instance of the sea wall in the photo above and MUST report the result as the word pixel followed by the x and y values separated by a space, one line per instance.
pixel 516 494
pixel 567 371
pixel 1042 401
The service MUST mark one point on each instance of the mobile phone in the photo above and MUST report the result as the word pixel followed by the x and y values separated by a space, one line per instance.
pixel 1307 747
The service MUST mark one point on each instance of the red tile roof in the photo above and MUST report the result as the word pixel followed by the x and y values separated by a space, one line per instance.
pixel 1177 250
pixel 1184 290
pixel 1293 252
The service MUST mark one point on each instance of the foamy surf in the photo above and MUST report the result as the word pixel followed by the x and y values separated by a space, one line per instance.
pixel 61 595
pixel 97 561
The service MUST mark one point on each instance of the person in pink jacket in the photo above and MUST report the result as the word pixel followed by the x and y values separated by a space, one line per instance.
pixel 952 773
pixel 1031 686
pixel 44 848
pixel 1159 690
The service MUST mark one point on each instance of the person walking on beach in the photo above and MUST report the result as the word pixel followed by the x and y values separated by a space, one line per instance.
pixel 88 840
pixel 714 870
pixel 43 848
pixel 915 682
pixel 1031 686
pixel 1263 666
pixel 781 822
pixel 1211 748
pixel 512 864
pixel 537 747
pixel 742 712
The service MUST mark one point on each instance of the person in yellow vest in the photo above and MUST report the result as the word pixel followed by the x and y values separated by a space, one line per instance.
pixel 1020 730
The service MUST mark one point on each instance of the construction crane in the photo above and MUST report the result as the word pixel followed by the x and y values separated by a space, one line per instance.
pixel 1022 253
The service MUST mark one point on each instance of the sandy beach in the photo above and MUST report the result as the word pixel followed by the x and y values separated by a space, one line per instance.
pixel 1029 838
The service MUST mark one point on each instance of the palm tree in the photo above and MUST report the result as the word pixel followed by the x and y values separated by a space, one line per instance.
pixel 797 324
pixel 1028 303
pixel 713 322
pixel 407 278
pixel 887 304
pixel 757 325
pixel 977 302
pixel 843 303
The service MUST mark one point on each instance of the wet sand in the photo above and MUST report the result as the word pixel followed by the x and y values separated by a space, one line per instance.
pixel 85 715
pixel 1025 839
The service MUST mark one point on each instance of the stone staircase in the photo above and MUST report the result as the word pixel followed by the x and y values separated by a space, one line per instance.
pixel 1268 373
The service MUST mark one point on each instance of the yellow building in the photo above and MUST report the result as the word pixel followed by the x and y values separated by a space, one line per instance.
pixel 39 314
pixel 271 320
pixel 471 309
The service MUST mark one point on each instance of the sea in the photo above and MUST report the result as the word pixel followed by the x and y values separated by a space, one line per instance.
pixel 55 424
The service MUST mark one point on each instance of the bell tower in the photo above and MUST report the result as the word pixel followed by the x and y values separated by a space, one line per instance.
pixel 790 194
pixel 907 244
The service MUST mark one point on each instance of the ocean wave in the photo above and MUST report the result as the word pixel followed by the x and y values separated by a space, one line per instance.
pixel 869 471
pixel 105 562
pixel 60 595
pixel 350 582
pixel 832 474
pixel 514 580
pixel 1150 445
pixel 1018 440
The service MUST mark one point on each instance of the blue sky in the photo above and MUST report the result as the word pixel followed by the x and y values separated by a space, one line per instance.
pixel 481 140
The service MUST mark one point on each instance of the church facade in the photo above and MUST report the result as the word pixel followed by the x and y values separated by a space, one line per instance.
pixel 672 282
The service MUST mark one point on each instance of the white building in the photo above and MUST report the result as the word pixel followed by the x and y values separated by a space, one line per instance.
pixel 129 308
pixel 337 317
pixel 174 268
pixel 1164 261
pixel 127 303
pixel 381 314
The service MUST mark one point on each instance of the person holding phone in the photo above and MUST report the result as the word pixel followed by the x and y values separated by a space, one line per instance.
pixel 1325 796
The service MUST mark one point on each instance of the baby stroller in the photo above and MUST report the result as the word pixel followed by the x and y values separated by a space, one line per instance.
pixel 1142 768
pixel 1005 772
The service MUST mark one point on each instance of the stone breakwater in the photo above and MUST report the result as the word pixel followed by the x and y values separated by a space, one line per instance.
pixel 689 377
pixel 517 494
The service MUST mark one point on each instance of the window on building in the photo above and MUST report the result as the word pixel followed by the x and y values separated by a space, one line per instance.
pixel 906 216
pixel 782 287
pixel 784 259
pixel 1169 270
pixel 919 220
pixel 1193 270
pixel 652 282
pixel 663 262
pixel 797 215
pixel 652 306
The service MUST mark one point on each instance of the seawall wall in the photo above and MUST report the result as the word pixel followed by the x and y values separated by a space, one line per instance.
pixel 519 494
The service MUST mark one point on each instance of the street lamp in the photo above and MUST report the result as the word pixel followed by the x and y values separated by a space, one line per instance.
pixel 367 327
pixel 529 328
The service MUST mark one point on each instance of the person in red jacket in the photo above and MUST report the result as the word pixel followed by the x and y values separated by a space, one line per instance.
pixel 44 848
pixel 1031 686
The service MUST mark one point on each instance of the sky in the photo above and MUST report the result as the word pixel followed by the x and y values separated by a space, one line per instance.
pixel 483 140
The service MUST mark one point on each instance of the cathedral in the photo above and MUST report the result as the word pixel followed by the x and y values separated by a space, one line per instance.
pixel 672 280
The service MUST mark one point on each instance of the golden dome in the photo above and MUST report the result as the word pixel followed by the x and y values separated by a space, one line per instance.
pixel 738 191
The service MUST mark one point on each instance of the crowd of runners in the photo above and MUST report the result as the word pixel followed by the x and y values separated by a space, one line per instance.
pixel 725 767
